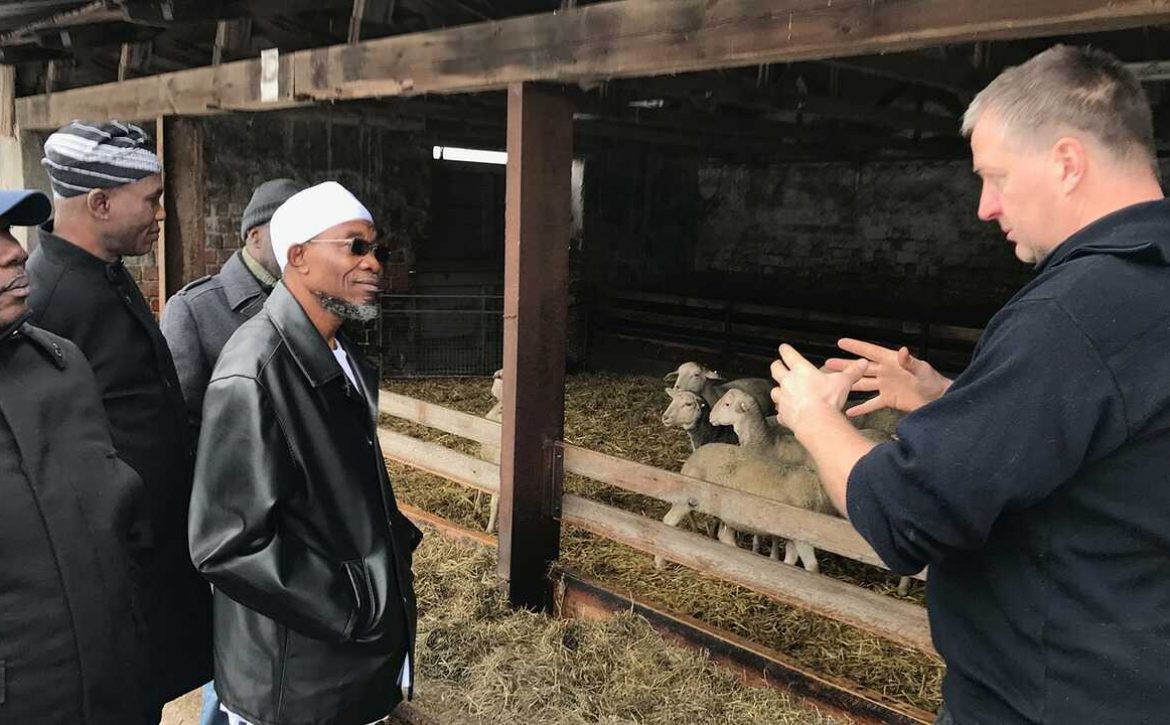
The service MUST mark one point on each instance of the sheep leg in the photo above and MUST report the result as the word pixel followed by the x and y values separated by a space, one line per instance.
pixel 755 543
pixel 775 555
pixel 790 555
pixel 903 586
pixel 676 514
pixel 808 556
pixel 493 512
pixel 713 527
pixel 726 534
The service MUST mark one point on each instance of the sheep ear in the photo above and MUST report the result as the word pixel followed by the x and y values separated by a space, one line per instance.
pixel 711 375
pixel 741 406
pixel 668 393
pixel 671 376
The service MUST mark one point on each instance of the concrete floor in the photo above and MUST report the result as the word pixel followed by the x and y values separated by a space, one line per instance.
pixel 184 711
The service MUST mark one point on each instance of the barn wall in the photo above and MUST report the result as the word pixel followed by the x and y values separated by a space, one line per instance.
pixel 899 239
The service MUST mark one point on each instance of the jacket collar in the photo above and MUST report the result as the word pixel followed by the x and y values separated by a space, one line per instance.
pixel 308 348
pixel 69 253
pixel 1137 232
pixel 40 339
pixel 240 286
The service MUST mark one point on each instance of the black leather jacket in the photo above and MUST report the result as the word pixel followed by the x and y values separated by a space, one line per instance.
pixel 294 522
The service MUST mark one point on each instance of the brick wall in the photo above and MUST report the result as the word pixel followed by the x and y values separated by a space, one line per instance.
pixel 896 239
pixel 893 235
pixel 388 170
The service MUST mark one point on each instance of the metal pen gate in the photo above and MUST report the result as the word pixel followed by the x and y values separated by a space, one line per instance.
pixel 441 335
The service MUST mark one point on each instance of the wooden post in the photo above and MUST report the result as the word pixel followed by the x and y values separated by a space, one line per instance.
pixel 181 244
pixel 7 101
pixel 536 271
pixel 355 21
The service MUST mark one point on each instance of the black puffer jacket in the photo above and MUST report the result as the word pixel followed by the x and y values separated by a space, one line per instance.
pixel 71 647
pixel 294 523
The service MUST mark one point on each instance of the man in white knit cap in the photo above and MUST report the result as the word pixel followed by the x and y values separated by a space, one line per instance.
pixel 292 517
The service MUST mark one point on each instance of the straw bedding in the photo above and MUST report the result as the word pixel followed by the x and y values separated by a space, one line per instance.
pixel 621 416
pixel 481 662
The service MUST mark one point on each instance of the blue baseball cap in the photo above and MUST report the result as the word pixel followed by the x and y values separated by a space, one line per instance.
pixel 25 208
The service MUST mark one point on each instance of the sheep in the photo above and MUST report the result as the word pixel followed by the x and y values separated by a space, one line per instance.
pixel 744 470
pixel 491 454
pixel 690 412
pixel 740 411
pixel 695 378
pixel 756 433
pixel 884 419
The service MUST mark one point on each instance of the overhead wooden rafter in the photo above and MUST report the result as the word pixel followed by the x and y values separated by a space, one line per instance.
pixel 233 38
pixel 626 38
pixel 134 60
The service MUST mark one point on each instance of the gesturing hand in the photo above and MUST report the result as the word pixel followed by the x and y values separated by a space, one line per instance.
pixel 803 389
pixel 901 381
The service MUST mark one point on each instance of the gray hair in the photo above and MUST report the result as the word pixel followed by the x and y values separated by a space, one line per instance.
pixel 1066 87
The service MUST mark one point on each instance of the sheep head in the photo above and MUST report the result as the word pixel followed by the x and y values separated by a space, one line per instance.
pixel 498 385
pixel 691 376
pixel 733 406
pixel 685 411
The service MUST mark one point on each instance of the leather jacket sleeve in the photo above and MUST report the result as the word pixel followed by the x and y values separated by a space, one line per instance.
pixel 239 539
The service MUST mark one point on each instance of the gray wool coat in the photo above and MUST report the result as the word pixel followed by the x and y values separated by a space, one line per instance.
pixel 198 320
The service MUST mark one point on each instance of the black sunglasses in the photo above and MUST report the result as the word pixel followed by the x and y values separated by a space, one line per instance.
pixel 360 247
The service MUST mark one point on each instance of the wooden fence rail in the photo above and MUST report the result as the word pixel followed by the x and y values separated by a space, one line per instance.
pixel 895 620
pixel 892 619
pixel 824 532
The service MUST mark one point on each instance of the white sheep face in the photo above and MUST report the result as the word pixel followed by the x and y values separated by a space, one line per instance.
pixel 691 376
pixel 498 385
pixel 733 405
pixel 685 409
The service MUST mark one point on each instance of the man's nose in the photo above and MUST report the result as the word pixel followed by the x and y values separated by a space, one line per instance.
pixel 989 207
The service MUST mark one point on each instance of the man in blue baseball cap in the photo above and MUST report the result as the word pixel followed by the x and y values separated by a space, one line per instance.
pixel 71 648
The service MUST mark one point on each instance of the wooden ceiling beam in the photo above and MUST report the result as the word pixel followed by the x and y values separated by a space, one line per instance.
pixel 233 39
pixel 624 38
pixel 135 59
pixel 781 103
pixel 917 70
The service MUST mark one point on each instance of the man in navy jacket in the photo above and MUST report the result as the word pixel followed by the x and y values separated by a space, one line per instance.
pixel 1037 485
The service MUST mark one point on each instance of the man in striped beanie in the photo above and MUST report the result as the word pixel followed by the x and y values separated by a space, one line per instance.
pixel 108 186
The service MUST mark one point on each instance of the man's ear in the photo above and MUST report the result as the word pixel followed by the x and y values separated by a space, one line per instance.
pixel 296 258
pixel 1071 161
pixel 97 203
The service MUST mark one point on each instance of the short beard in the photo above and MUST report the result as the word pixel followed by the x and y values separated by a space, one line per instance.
pixel 347 310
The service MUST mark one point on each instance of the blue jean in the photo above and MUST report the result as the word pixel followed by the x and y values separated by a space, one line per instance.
pixel 944 716
pixel 211 714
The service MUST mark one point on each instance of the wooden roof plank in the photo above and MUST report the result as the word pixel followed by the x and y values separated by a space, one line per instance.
pixel 625 38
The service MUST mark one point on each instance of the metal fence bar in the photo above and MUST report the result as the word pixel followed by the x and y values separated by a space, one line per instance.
pixel 441 335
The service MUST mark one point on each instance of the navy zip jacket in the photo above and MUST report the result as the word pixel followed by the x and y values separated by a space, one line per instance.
pixel 1038 491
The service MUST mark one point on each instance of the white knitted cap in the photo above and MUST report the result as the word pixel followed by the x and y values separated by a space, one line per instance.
pixel 310 212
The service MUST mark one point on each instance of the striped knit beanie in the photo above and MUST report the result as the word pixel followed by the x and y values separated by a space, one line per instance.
pixel 83 156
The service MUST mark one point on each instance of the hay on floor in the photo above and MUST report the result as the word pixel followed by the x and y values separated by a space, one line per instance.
pixel 481 662
pixel 621 416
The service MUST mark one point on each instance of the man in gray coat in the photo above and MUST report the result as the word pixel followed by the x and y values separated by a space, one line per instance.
pixel 198 320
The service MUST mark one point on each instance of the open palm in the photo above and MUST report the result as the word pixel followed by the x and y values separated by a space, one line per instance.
pixel 901 381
